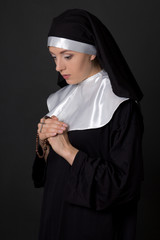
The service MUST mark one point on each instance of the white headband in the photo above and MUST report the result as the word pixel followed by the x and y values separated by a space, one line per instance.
pixel 71 45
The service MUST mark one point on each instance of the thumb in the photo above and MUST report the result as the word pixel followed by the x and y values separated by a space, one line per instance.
pixel 54 117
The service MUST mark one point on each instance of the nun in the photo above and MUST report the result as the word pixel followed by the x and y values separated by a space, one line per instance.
pixel 89 144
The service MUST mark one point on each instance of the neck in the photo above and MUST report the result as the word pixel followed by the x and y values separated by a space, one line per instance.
pixel 96 69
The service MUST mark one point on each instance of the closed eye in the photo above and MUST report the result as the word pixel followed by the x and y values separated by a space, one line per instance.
pixel 68 57
pixel 53 56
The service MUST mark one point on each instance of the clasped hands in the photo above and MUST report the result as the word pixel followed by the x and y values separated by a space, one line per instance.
pixel 55 132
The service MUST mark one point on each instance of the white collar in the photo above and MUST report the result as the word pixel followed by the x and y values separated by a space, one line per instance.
pixel 89 104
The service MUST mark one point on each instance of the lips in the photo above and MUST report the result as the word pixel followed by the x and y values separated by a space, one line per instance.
pixel 66 76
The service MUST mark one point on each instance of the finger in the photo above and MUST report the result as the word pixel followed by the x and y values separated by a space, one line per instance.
pixel 46 130
pixel 49 119
pixel 50 128
pixel 62 123
pixel 40 126
pixel 42 120
pixel 54 117
pixel 47 135
pixel 55 121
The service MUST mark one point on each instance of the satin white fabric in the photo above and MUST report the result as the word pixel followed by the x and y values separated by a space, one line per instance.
pixel 89 104
pixel 71 45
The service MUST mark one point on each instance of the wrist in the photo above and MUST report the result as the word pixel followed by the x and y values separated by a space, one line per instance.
pixel 70 153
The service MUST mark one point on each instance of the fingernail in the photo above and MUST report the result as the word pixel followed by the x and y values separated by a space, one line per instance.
pixel 65 125
pixel 60 131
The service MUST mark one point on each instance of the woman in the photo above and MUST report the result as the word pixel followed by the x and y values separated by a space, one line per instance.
pixel 89 159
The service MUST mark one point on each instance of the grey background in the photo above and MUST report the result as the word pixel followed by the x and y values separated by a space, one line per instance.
pixel 27 77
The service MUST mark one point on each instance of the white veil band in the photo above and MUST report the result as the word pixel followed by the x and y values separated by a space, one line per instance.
pixel 71 45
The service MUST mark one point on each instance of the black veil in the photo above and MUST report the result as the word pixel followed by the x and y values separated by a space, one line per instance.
pixel 82 26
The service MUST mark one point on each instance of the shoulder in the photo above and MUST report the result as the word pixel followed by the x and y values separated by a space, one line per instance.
pixel 128 111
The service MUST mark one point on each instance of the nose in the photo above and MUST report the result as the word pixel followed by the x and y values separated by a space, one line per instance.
pixel 59 65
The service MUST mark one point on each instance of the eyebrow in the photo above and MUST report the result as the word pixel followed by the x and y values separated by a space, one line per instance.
pixel 60 52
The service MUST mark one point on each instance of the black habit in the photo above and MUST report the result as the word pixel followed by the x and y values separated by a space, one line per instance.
pixel 95 198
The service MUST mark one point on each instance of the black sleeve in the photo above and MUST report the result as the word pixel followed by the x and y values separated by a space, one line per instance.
pixel 101 184
pixel 39 170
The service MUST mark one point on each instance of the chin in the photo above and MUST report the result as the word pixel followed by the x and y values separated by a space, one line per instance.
pixel 70 82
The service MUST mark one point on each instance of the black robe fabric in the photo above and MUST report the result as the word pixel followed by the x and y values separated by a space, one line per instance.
pixel 95 198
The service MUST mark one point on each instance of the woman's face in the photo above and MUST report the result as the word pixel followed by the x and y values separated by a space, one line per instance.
pixel 73 66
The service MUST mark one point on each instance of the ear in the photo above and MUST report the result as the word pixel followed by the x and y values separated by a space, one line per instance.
pixel 92 57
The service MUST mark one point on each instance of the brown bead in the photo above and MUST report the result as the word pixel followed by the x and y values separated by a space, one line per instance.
pixel 44 148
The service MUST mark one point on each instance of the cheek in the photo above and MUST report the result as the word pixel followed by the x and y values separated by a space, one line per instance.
pixel 83 65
